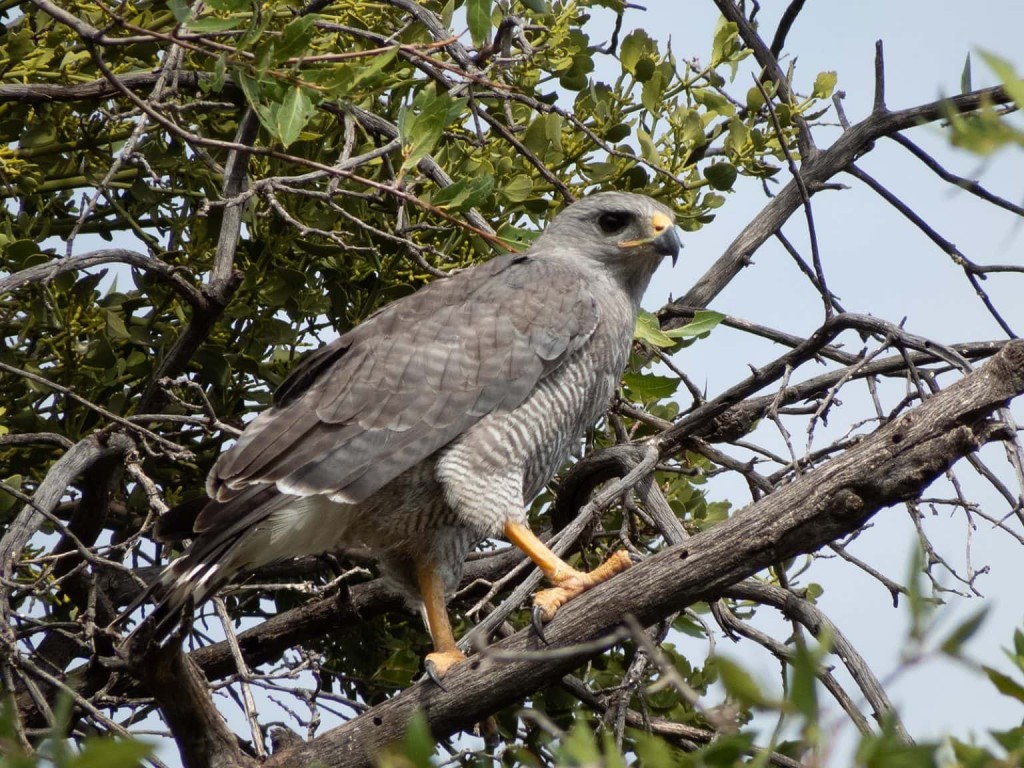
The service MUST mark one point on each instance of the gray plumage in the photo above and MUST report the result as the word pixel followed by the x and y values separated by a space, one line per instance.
pixel 428 426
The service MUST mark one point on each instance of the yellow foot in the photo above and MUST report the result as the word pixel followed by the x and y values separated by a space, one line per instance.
pixel 569 585
pixel 438 663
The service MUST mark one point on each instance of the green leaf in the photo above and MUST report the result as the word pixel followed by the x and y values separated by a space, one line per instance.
pixel 968 756
pixel 964 632
pixel 19 44
pixel 293 114
pixel 112 753
pixel 647 148
pixel 635 47
pixel 824 84
pixel 1018 642
pixel 216 24
pixel 296 37
pixel 920 607
pixel 518 188
pixel 704 321
pixel 579 747
pixel 813 592
pixel 739 684
pixel 422 125
pixel 7 501
pixel 42 134
pixel 649 331
pixel 115 327
pixel 965 75
pixel 537 6
pixel 982 132
pixel 755 99
pixel 20 254
pixel 517 238
pixel 231 6
pixel 725 41
pixel 617 132
pixel 721 175
pixel 714 101
pixel 220 72
pixel 415 750
pixel 653 94
pixel 889 750
pixel 727 750
pixel 1005 684
pixel 653 751
pixel 250 87
pixel 1011 740
pixel 464 193
pixel 478 15
pixel 181 10
pixel 739 139
pixel 689 627
pixel 649 387
pixel 1013 84
pixel 803 689
pixel 365 74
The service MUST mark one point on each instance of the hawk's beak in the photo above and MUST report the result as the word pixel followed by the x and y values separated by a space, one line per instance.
pixel 666 240
pixel 668 244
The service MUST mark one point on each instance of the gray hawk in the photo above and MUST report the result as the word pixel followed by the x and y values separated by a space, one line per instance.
pixel 431 425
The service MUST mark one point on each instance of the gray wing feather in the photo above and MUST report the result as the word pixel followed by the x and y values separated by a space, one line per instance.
pixel 409 380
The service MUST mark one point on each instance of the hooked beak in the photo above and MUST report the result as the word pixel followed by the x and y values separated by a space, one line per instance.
pixel 665 240
pixel 668 244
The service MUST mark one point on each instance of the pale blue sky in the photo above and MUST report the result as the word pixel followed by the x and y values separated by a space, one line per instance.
pixel 880 264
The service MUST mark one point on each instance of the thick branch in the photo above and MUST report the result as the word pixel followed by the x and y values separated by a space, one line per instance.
pixel 81 457
pixel 55 267
pixel 826 164
pixel 39 93
pixel 204 739
pixel 818 507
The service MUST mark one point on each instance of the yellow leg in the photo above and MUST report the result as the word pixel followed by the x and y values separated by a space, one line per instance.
pixel 567 580
pixel 446 654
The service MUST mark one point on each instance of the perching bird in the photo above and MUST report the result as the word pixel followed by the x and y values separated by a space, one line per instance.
pixel 432 425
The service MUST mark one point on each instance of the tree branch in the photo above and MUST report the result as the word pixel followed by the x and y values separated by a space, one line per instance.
pixel 203 738
pixel 826 164
pixel 55 267
pixel 805 515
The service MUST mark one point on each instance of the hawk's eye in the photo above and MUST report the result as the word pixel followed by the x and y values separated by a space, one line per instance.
pixel 613 221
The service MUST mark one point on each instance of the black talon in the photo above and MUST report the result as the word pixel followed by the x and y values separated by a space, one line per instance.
pixel 537 620
pixel 434 677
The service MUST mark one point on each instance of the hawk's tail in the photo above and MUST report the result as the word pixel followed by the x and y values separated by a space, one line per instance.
pixel 186 582
pixel 207 564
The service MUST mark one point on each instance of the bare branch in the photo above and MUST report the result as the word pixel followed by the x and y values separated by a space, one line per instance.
pixel 61 475
pixel 203 737
pixel 51 269
pixel 826 164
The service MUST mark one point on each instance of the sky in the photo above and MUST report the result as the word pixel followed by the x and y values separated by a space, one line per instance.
pixel 878 263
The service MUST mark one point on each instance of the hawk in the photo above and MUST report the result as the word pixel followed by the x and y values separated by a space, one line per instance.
pixel 432 424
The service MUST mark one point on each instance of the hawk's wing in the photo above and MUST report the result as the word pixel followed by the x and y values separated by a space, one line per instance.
pixel 409 380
